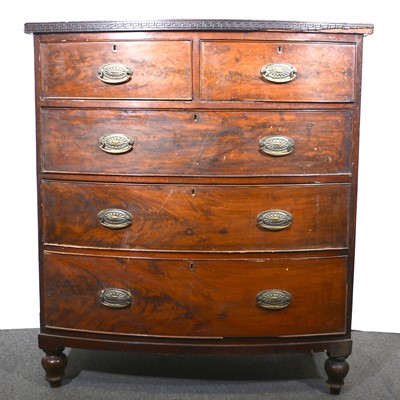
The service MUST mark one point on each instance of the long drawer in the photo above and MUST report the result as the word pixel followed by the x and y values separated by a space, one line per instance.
pixel 196 218
pixel 123 70
pixel 196 298
pixel 277 71
pixel 220 143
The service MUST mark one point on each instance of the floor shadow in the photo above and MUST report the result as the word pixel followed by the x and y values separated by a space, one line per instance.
pixel 212 368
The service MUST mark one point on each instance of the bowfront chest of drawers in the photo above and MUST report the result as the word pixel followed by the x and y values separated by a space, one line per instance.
pixel 197 187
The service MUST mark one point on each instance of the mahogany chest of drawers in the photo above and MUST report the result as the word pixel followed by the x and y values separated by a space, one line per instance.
pixel 197 186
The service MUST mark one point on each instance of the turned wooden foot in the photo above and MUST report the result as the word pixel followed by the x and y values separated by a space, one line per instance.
pixel 336 368
pixel 54 363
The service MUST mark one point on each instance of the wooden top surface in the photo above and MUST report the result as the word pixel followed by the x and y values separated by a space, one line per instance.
pixel 216 25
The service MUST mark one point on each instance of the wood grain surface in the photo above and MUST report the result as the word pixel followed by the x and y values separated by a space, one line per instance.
pixel 197 143
pixel 161 69
pixel 196 218
pixel 200 298
pixel 231 71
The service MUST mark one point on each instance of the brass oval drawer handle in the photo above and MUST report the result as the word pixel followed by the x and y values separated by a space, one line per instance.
pixel 116 143
pixel 114 73
pixel 276 146
pixel 274 220
pixel 115 298
pixel 274 299
pixel 114 218
pixel 279 72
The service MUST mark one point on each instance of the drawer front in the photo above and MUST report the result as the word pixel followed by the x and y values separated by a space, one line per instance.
pixel 147 69
pixel 196 218
pixel 230 71
pixel 197 143
pixel 197 298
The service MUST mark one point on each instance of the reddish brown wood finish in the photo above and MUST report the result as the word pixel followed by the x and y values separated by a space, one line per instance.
pixel 196 143
pixel 54 363
pixel 231 71
pixel 196 218
pixel 200 298
pixel 194 257
pixel 161 69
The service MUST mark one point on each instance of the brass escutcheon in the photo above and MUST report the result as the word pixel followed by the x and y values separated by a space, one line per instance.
pixel 276 146
pixel 274 220
pixel 114 218
pixel 115 298
pixel 116 143
pixel 114 73
pixel 273 299
pixel 279 72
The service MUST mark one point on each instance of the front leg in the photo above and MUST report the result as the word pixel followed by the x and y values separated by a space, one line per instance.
pixel 54 363
pixel 336 368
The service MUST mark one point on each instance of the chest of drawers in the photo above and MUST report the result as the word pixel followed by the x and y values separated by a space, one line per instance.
pixel 197 187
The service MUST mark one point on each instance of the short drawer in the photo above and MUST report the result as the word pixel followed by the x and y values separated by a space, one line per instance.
pixel 220 143
pixel 195 298
pixel 293 72
pixel 196 218
pixel 124 70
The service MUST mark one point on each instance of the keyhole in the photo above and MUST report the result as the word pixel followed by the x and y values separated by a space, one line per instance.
pixel 279 49
pixel 114 48
pixel 195 117
pixel 193 192
pixel 191 266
